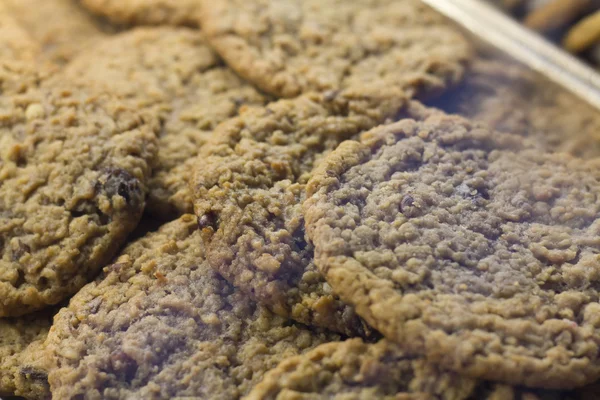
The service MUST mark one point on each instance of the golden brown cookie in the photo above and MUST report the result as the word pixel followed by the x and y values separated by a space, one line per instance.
pixel 288 47
pixel 160 323
pixel 59 27
pixel 354 370
pixel 176 81
pixel 146 12
pixel 73 172
pixel 21 343
pixel 249 185
pixel 469 247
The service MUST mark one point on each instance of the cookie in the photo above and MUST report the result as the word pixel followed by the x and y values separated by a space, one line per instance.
pixel 172 77
pixel 21 340
pixel 475 249
pixel 160 323
pixel 73 174
pixel 290 47
pixel 249 185
pixel 59 27
pixel 356 370
pixel 146 12
pixel 512 99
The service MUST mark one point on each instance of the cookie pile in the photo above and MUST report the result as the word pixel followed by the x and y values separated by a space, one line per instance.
pixel 290 199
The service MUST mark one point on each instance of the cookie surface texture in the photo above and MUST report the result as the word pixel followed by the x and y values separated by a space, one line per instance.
pixel 467 247
pixel 249 185
pixel 146 12
pixel 173 78
pixel 73 174
pixel 354 370
pixel 294 46
pixel 21 340
pixel 162 324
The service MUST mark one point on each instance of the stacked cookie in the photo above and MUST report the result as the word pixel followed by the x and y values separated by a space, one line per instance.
pixel 279 199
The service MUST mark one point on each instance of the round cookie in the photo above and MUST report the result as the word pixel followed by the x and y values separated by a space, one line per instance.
pixel 73 173
pixel 512 99
pixel 160 323
pixel 20 343
pixel 249 185
pixel 174 79
pixel 354 370
pixel 146 12
pixel 60 28
pixel 288 47
pixel 469 247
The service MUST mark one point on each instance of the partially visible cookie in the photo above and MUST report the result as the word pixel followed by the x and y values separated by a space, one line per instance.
pixel 160 323
pixel 288 47
pixel 73 172
pixel 249 185
pixel 21 341
pixel 176 81
pixel 467 246
pixel 147 12
pixel 356 370
pixel 59 27
pixel 512 99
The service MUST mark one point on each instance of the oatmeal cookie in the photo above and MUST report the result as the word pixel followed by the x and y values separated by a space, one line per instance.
pixel 289 47
pixel 249 185
pixel 160 323
pixel 173 78
pixel 475 249
pixel 73 174
pixel 146 12
pixel 21 342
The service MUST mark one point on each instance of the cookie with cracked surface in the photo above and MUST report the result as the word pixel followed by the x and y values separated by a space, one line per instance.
pixel 172 77
pixel 249 185
pixel 469 247
pixel 160 323
pixel 60 28
pixel 510 98
pixel 73 174
pixel 21 341
pixel 290 47
pixel 146 12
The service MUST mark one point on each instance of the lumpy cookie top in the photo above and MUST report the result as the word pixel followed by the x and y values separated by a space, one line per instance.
pixel 160 323
pixel 73 172
pixel 249 186
pixel 354 370
pixel 146 12
pixel 292 46
pixel 21 339
pixel 510 98
pixel 176 81
pixel 467 246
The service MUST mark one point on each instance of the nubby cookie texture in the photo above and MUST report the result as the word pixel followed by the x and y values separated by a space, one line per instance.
pixel 466 246
pixel 160 323
pixel 289 47
pixel 73 172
